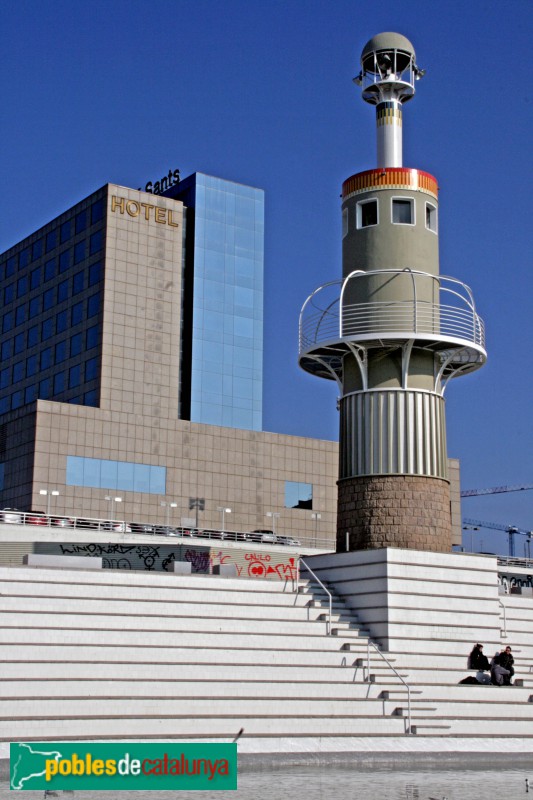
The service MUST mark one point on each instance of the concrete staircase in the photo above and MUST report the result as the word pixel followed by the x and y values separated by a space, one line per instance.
pixel 114 654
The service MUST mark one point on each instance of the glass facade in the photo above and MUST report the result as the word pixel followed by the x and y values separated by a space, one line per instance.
pixel 99 473
pixel 47 309
pixel 225 279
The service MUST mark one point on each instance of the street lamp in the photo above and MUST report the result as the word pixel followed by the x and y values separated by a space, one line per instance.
pixel 199 504
pixel 48 494
pixel 471 529
pixel 223 511
pixel 274 515
pixel 316 517
pixel 112 501
pixel 168 506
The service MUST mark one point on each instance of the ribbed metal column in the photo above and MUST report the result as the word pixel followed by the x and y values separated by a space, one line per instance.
pixel 391 432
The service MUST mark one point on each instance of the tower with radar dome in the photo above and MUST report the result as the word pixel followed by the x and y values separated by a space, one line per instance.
pixel 392 332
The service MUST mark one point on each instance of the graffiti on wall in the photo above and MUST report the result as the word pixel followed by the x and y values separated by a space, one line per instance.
pixel 160 558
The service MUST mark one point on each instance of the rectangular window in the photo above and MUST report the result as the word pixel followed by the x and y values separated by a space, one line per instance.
pixel 76 344
pixel 45 388
pixel 33 336
pixel 30 394
pixel 35 278
pixel 19 342
pixel 22 286
pixel 94 273
pixel 62 291
pixel 95 242
pixel 91 398
pixel 19 371
pixel 7 322
pixel 81 221
pixel 366 213
pixel 64 261
pixel 51 240
pixel 91 369
pixel 37 249
pixel 74 376
pixel 78 282
pixel 92 337
pixel 344 222
pixel 48 328
pixel 298 495
pixel 35 306
pixel 61 321
pixel 5 377
pixel 59 382
pixel 120 475
pixel 46 358
pixel 49 299
pixel 7 349
pixel 403 212
pixel 24 258
pixel 79 252
pixel 77 313
pixel 97 211
pixel 20 315
pixel 60 352
pixel 431 217
pixel 65 231
pixel 17 399
pixel 50 269
pixel 93 306
pixel 9 294
pixel 32 365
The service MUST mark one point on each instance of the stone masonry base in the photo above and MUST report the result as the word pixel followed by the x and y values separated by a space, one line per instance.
pixel 406 511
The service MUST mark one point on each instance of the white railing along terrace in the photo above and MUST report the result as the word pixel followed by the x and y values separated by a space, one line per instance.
pixel 326 316
pixel 36 518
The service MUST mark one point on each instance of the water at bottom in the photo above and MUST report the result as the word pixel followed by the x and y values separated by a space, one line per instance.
pixel 342 783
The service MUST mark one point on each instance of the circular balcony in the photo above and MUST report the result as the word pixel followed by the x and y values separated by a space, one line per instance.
pixel 332 323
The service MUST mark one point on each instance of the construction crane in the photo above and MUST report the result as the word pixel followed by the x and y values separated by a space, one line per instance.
pixel 495 490
pixel 511 530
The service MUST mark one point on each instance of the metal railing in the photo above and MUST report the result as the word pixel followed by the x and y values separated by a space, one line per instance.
pixel 367 678
pixel 504 631
pixel 90 524
pixel 317 579
pixel 328 315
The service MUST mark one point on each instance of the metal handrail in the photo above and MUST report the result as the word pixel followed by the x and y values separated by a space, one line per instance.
pixel 376 648
pixel 504 633
pixel 317 579
pixel 13 518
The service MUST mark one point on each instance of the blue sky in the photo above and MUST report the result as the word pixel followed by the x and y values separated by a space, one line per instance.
pixel 262 93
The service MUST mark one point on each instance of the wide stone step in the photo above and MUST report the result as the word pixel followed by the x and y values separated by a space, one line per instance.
pixel 136 580
pixel 170 625
pixel 231 639
pixel 83 706
pixel 66 653
pixel 158 726
pixel 11 688
pixel 191 671
pixel 161 609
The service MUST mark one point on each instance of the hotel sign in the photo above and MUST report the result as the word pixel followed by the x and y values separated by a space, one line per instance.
pixel 134 208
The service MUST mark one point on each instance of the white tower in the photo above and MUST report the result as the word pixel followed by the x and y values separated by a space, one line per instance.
pixel 391 332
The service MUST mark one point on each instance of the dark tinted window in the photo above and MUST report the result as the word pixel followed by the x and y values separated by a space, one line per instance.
pixel 37 249
pixel 81 221
pixel 35 280
pixel 51 240
pixel 66 231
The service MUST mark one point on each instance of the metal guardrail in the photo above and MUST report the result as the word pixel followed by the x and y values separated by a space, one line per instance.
pixel 376 648
pixel 328 315
pixel 86 524
pixel 317 579
pixel 504 630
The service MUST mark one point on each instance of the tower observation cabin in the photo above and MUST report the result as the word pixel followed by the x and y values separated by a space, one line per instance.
pixel 391 332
